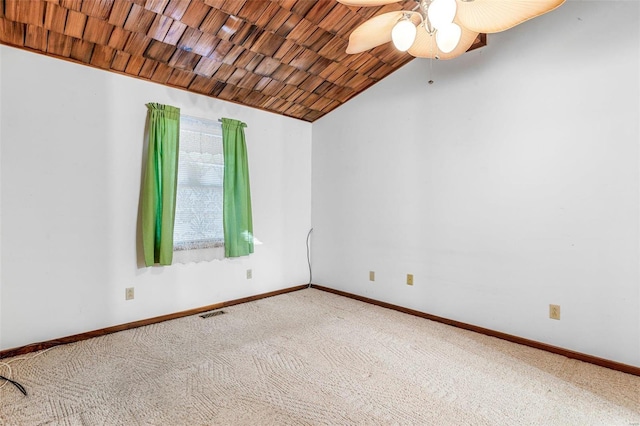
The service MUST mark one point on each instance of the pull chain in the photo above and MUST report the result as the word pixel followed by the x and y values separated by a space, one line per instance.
pixel 430 70
pixel 431 59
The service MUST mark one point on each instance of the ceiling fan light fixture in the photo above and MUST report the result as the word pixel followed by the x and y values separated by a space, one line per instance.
pixel 442 29
pixel 403 34
pixel 441 12
pixel 448 36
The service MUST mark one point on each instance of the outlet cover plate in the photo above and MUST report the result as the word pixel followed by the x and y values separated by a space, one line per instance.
pixel 554 312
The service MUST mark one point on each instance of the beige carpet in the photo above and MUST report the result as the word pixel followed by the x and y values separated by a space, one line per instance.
pixel 311 357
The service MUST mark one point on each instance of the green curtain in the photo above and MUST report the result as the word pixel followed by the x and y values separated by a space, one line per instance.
pixel 159 187
pixel 237 219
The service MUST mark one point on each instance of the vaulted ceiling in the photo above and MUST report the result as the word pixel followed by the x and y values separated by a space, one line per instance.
pixel 283 56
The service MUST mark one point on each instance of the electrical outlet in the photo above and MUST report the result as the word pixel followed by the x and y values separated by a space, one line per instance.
pixel 128 293
pixel 249 274
pixel 409 279
pixel 554 312
pixel 372 276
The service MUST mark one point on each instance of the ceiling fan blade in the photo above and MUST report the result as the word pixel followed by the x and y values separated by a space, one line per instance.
pixel 374 32
pixel 366 3
pixel 492 16
pixel 425 45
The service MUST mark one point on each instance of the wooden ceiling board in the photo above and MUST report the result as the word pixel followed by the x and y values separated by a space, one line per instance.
pixel 175 32
pixel 102 56
pixel 119 12
pixel 134 65
pixel 205 45
pixel 59 45
pixel 252 10
pixel 99 9
pixel 195 14
pixel 139 19
pixel 283 56
pixel 214 21
pixel 283 72
pixel 268 15
pixel 176 9
pixel 233 54
pixel 319 65
pixel 181 79
pixel 184 60
pixel 36 38
pixel 55 18
pixel 203 85
pixel 287 51
pixel 160 27
pixel 231 26
pixel 118 39
pixel 282 23
pixel 220 52
pixel 249 60
pixel 267 66
pixel 248 81
pixel 25 12
pixel 161 73
pixel 120 61
pixel 97 31
pixel 71 4
pixel 137 44
pixel 76 22
pixel 224 72
pixel 189 39
pixel 232 7
pixel 148 69
pixel 159 51
pixel 157 6
pixel 207 67
pixel 81 50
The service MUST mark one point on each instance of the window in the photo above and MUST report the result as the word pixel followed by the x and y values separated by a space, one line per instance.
pixel 198 220
pixel 190 212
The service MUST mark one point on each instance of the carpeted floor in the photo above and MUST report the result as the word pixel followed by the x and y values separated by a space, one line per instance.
pixel 311 357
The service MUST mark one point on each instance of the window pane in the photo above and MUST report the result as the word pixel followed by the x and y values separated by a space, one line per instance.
pixel 199 193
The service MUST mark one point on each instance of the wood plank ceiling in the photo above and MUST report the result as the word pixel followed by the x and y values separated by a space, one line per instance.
pixel 282 56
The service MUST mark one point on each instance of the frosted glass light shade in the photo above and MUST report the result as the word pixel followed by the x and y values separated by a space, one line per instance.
pixel 425 45
pixel 441 12
pixel 403 34
pixel 448 37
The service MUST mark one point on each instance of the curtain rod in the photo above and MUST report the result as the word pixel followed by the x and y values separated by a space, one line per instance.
pixel 245 124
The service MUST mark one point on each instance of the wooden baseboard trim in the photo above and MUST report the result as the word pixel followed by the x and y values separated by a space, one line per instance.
pixel 613 365
pixel 114 329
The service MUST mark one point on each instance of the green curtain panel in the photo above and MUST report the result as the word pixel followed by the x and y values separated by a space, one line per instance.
pixel 237 219
pixel 159 187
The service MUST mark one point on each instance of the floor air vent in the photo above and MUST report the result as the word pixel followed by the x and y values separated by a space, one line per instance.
pixel 212 314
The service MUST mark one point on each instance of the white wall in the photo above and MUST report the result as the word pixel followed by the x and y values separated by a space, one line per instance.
pixel 72 154
pixel 510 183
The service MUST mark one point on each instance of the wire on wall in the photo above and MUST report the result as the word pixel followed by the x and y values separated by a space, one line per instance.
pixel 309 258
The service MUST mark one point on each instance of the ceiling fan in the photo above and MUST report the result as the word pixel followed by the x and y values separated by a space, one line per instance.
pixel 441 29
